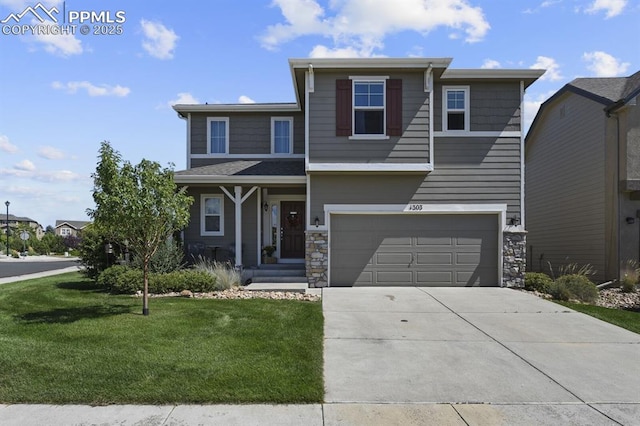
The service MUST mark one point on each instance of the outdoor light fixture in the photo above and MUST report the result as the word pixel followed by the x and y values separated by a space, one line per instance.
pixel 317 221
pixel 513 221
pixel 6 203
pixel 631 220
pixel 265 206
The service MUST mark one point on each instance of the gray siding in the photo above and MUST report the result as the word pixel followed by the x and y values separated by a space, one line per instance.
pixel 565 186
pixel 494 107
pixel 193 240
pixel 411 147
pixel 467 170
pixel 249 133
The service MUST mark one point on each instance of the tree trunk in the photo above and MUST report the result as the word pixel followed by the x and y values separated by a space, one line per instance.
pixel 145 294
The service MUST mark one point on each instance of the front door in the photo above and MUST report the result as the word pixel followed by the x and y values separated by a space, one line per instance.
pixel 292 226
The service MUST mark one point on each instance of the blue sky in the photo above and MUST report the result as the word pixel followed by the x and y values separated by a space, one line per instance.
pixel 61 95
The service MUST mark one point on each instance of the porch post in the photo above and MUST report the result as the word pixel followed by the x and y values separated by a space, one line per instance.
pixel 238 203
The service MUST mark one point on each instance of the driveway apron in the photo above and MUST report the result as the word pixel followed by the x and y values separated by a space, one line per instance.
pixel 474 346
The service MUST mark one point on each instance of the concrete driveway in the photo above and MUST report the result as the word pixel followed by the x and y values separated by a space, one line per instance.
pixel 487 355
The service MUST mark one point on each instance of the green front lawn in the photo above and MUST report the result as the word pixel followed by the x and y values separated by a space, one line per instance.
pixel 64 341
pixel 625 319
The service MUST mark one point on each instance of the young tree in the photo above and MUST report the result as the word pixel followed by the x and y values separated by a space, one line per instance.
pixel 140 204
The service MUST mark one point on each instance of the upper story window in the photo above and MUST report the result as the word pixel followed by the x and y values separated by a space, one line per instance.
pixel 455 107
pixel 281 135
pixel 65 231
pixel 368 108
pixel 212 215
pixel 218 135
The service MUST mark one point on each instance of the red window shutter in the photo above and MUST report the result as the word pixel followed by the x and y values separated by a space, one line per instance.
pixel 394 107
pixel 343 107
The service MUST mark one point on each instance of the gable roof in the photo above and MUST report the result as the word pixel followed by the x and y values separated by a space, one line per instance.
pixel 75 224
pixel 611 92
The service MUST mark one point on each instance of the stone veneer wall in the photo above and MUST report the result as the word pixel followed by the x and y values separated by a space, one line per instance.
pixel 317 258
pixel 514 253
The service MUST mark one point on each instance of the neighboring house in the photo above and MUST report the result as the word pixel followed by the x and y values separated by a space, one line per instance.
pixel 383 172
pixel 66 228
pixel 15 222
pixel 583 176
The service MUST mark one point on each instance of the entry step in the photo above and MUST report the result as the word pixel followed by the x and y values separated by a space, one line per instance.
pixel 288 287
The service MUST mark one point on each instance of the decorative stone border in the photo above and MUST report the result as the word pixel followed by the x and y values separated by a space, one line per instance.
pixel 514 255
pixel 317 258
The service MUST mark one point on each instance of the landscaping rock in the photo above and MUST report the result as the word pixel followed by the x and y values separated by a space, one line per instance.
pixel 240 293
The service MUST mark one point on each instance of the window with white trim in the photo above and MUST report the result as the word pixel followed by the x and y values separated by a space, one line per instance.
pixel 65 231
pixel 369 107
pixel 218 135
pixel 212 215
pixel 281 135
pixel 455 107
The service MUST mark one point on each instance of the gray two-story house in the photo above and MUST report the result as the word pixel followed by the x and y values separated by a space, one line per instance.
pixel 583 177
pixel 382 172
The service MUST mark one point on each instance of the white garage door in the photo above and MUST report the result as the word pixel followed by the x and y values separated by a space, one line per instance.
pixel 413 250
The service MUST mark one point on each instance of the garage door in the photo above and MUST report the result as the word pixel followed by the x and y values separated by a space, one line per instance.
pixel 411 249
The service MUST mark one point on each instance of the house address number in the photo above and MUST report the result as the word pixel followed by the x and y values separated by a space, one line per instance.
pixel 414 208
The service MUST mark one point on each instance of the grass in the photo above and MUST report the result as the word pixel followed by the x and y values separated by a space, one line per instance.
pixel 62 340
pixel 625 319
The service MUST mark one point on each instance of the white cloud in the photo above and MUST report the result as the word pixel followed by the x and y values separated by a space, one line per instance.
pixel 50 153
pixel 321 51
pixel 490 64
pixel 549 64
pixel 7 146
pixel 602 64
pixel 532 105
pixel 159 41
pixel 60 44
pixel 43 176
pixel 359 27
pixel 183 98
pixel 246 100
pixel 610 7
pixel 20 5
pixel 25 165
pixel 72 87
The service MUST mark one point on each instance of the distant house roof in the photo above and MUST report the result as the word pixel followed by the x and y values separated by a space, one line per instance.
pixel 239 171
pixel 608 91
pixel 14 218
pixel 75 224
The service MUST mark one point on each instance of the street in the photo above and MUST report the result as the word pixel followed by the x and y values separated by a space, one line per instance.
pixel 11 268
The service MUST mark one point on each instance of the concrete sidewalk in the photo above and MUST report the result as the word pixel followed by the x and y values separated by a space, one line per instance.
pixel 443 356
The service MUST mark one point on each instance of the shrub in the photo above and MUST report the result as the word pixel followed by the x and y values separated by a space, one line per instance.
pixel 537 281
pixel 631 276
pixel 579 287
pixel 111 278
pixel 628 284
pixel 226 275
pixel 575 269
pixel 559 291
pixel 168 258
pixel 123 279
pixel 92 252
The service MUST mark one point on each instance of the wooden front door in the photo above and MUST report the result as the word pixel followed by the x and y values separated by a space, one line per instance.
pixel 292 226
